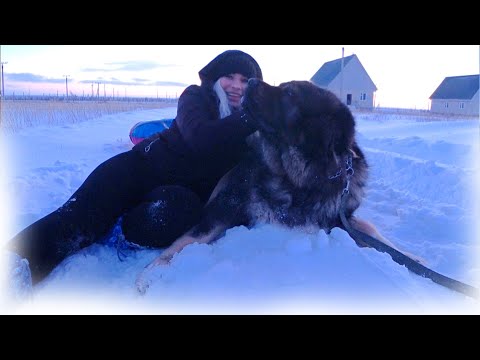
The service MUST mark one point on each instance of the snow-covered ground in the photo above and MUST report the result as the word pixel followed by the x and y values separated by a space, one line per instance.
pixel 422 194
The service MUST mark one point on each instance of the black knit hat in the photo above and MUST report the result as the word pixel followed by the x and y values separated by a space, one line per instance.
pixel 231 62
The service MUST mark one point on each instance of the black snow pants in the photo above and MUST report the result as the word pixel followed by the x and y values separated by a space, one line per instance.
pixel 151 190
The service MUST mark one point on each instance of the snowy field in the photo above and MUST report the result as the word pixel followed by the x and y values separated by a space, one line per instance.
pixel 423 195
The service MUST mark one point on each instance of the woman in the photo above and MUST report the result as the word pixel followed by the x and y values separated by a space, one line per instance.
pixel 163 182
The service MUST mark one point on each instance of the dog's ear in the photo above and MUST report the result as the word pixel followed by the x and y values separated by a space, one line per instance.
pixel 292 115
pixel 344 128
pixel 340 120
pixel 335 115
pixel 296 101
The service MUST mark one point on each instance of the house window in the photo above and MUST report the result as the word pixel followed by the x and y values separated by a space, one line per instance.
pixel 462 105
pixel 363 96
pixel 446 105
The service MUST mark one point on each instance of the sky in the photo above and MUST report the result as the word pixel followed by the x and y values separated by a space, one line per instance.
pixel 422 194
pixel 405 75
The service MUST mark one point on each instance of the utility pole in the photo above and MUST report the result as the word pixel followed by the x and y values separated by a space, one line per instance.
pixel 1 81
pixel 341 76
pixel 66 84
pixel 2 93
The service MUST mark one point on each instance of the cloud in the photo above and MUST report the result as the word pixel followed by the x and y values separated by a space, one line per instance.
pixel 27 77
pixel 128 66
pixel 134 82
pixel 32 78
pixel 169 83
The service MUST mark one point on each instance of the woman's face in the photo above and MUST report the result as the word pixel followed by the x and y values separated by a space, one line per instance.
pixel 234 85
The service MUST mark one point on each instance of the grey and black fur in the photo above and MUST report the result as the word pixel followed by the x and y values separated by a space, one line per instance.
pixel 295 173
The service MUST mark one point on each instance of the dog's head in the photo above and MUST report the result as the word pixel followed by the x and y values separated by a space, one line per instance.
pixel 301 114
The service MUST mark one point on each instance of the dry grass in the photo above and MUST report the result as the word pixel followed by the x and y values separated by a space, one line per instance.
pixel 19 114
pixel 16 115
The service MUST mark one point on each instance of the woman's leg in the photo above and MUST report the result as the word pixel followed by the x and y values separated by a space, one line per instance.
pixel 165 214
pixel 115 186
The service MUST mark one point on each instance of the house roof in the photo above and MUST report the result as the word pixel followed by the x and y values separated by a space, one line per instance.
pixel 330 70
pixel 457 87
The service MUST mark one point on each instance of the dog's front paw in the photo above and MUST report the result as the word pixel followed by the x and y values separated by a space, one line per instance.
pixel 142 283
pixel 144 279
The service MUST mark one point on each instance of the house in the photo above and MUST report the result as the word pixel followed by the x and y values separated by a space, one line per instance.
pixel 457 95
pixel 353 85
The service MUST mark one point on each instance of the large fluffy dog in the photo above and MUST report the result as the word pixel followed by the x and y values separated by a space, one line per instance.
pixel 304 156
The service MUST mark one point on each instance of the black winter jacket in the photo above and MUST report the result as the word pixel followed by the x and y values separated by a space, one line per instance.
pixel 201 147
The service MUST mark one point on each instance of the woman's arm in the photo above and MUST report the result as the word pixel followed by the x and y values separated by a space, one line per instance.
pixel 202 130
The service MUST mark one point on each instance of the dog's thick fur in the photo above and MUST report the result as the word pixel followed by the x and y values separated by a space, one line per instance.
pixel 302 156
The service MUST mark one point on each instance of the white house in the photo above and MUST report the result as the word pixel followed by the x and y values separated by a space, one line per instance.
pixel 457 95
pixel 353 85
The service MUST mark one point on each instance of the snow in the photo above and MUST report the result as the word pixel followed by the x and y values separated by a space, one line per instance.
pixel 422 195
